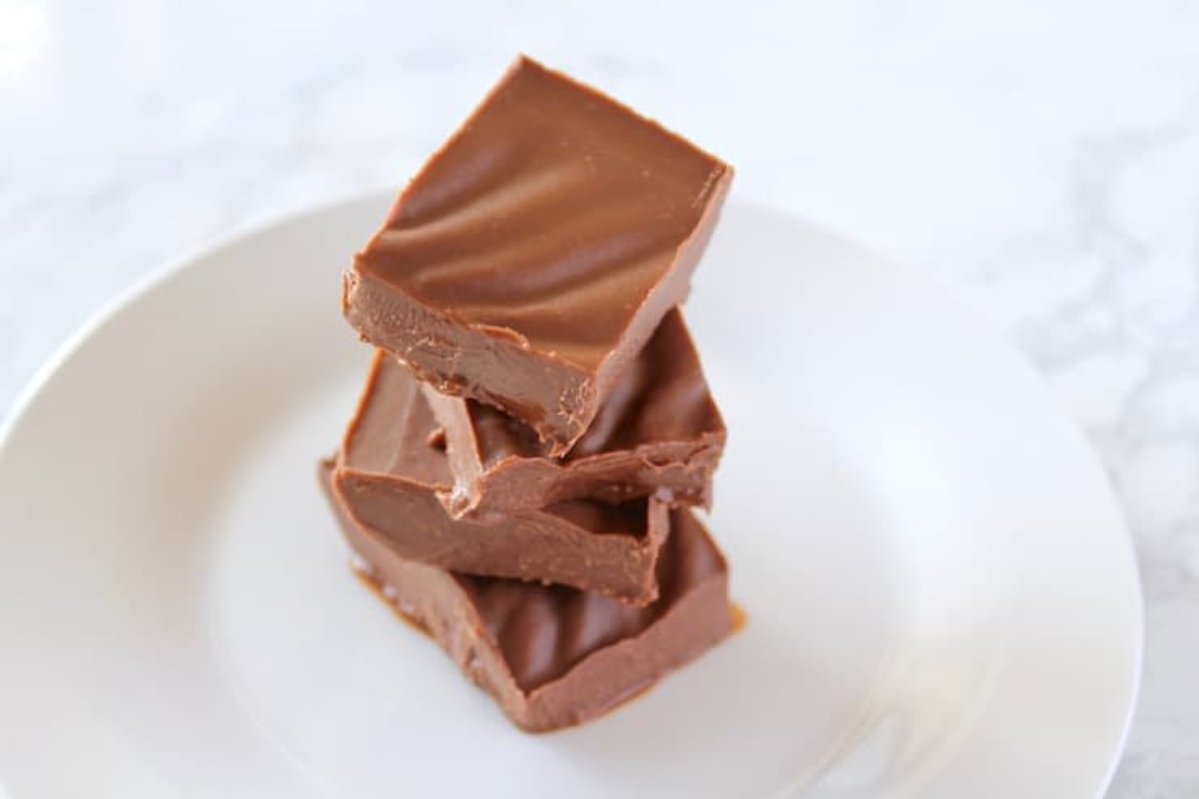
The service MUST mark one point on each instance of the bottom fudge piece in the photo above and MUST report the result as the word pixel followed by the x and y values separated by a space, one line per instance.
pixel 389 474
pixel 553 656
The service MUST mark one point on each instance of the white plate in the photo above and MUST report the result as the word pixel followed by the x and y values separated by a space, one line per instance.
pixel 942 597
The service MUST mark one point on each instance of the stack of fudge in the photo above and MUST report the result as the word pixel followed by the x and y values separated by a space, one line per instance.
pixel 518 476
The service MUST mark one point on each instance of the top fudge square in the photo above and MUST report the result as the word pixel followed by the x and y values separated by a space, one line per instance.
pixel 532 257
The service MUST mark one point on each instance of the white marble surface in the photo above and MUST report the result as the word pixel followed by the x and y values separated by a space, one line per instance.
pixel 1042 157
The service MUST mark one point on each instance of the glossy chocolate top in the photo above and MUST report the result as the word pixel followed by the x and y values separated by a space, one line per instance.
pixel 544 631
pixel 547 218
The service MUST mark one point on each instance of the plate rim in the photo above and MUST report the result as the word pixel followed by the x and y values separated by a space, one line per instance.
pixel 157 276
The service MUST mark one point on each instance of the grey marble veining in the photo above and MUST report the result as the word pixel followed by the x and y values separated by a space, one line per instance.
pixel 1040 158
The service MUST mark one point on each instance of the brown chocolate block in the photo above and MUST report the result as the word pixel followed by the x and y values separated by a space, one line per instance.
pixel 658 434
pixel 533 256
pixel 552 656
pixel 390 474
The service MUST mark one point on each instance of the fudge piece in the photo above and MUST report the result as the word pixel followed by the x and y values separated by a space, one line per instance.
pixel 535 253
pixel 553 656
pixel 390 473
pixel 658 434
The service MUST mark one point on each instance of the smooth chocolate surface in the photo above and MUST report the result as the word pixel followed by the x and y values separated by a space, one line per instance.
pixel 659 433
pixel 535 253
pixel 390 474
pixel 552 656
